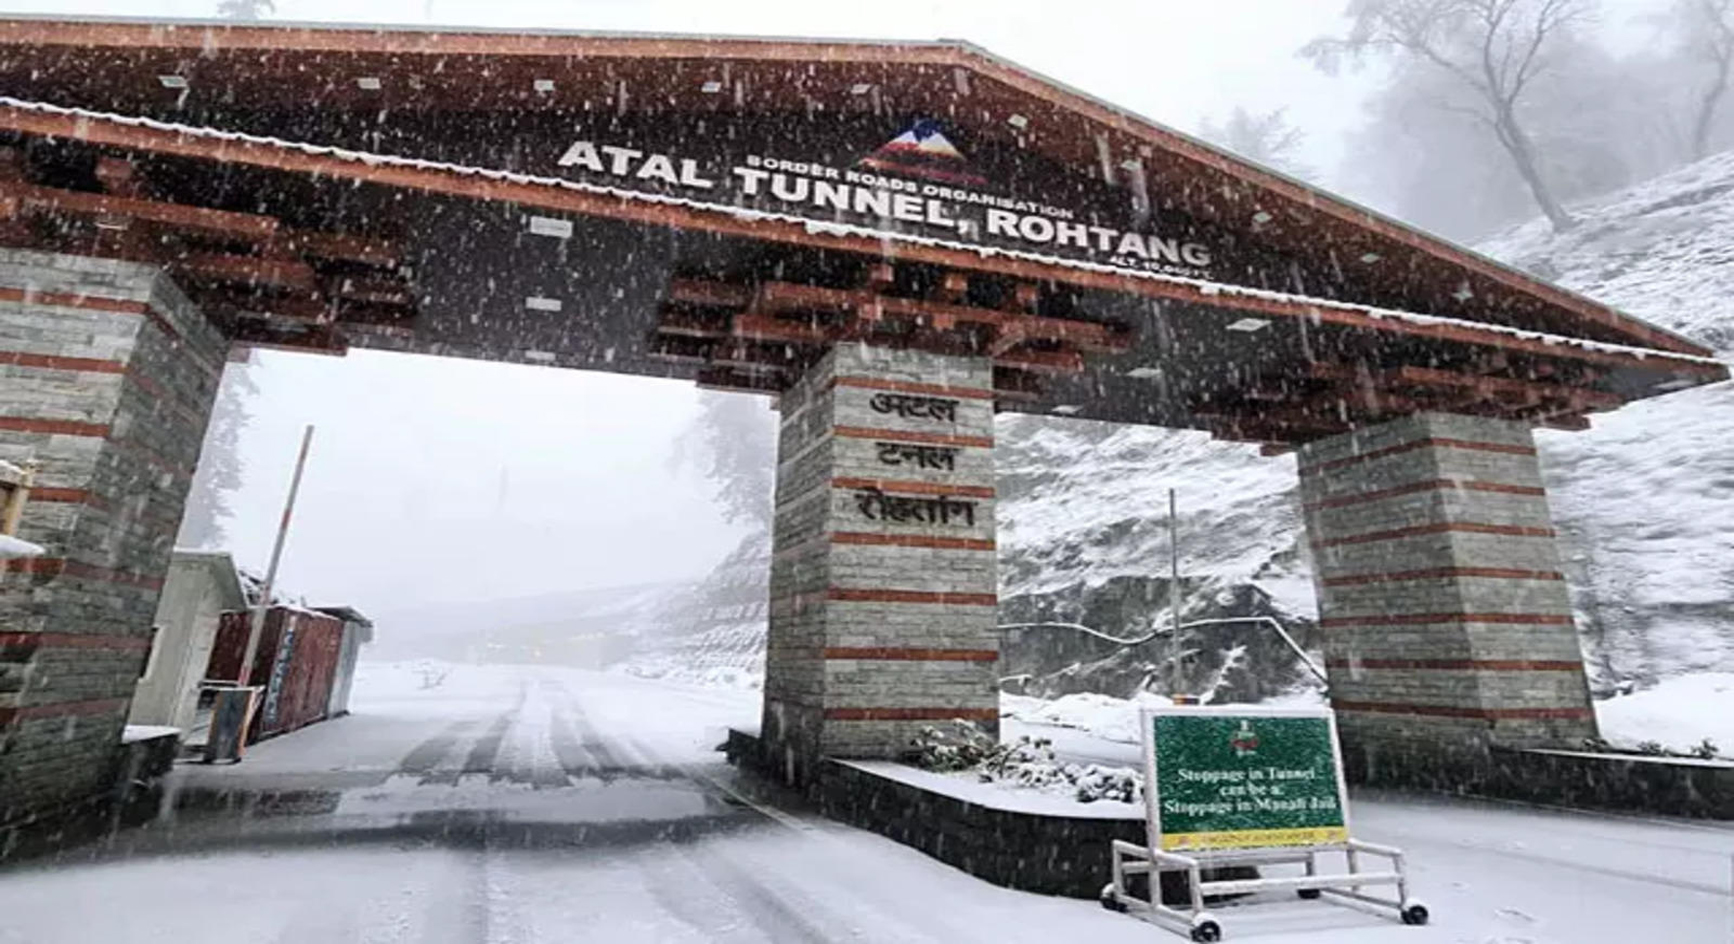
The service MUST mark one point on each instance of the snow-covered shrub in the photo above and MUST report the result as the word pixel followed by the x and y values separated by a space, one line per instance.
pixel 961 746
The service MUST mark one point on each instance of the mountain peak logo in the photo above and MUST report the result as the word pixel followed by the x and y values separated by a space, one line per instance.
pixel 923 150
pixel 1244 740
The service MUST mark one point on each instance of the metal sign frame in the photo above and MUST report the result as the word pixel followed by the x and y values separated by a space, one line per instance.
pixel 1195 919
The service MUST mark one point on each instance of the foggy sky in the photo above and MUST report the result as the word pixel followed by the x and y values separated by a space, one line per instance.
pixel 438 480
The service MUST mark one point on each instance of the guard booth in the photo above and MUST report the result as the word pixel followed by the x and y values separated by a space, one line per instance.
pixel 1248 786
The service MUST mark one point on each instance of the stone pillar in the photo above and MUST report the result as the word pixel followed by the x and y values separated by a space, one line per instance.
pixel 107 376
pixel 883 594
pixel 1446 621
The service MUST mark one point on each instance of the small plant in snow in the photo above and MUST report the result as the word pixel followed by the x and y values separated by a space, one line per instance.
pixel 1704 750
pixel 957 746
pixel 1109 783
pixel 433 676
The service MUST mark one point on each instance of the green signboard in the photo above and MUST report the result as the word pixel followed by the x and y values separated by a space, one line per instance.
pixel 1242 778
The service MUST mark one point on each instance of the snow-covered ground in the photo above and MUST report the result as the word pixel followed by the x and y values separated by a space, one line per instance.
pixel 1678 714
pixel 527 804
pixel 17 547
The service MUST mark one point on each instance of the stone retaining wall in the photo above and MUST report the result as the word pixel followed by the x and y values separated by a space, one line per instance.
pixel 1050 855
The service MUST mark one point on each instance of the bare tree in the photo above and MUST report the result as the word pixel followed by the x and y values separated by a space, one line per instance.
pixel 1265 137
pixel 733 444
pixel 245 9
pixel 1704 31
pixel 1494 49
pixel 221 470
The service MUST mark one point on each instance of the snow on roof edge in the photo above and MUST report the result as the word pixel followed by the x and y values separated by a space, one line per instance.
pixel 12 547
pixel 458 29
pixel 848 229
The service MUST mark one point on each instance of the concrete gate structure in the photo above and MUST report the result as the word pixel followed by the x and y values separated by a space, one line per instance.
pixel 895 241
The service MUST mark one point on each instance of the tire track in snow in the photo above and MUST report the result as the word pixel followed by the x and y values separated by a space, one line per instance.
pixel 485 755
pixel 677 885
pixel 794 905
pixel 779 919
pixel 533 759
pixel 580 745
pixel 778 910
pixel 478 759
pixel 426 756
pixel 486 751
pixel 1557 862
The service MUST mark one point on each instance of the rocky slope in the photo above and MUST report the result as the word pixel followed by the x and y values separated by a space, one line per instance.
pixel 1644 500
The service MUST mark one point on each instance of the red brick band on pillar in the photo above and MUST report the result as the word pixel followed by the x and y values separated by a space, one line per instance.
pixel 51 299
pixel 1433 573
pixel 914 655
pixel 903 435
pixel 913 540
pixel 28 424
pixel 1440 591
pixel 1427 486
pixel 884 600
pixel 906 386
pixel 1424 442
pixel 1440 527
pixel 934 597
pixel 1426 619
pixel 911 714
pixel 1475 665
pixel 58 566
pixel 73 496
pixel 1454 711
pixel 914 488
pixel 88 365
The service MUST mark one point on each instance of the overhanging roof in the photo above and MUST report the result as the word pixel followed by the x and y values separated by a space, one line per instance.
pixel 274 79
pixel 114 64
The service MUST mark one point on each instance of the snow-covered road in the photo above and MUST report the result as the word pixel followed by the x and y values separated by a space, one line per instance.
pixel 520 804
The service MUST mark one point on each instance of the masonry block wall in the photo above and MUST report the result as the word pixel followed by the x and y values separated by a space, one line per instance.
pixel 1446 620
pixel 883 589
pixel 107 377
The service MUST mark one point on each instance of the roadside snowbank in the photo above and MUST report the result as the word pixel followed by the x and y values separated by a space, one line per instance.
pixel 1678 713
pixel 1103 716
pixel 1115 719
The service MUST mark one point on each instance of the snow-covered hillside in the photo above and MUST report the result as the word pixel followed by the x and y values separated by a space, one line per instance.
pixel 1662 250
pixel 712 631
pixel 1644 501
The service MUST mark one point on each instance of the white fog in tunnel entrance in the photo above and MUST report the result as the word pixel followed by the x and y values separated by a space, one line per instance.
pixel 437 479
